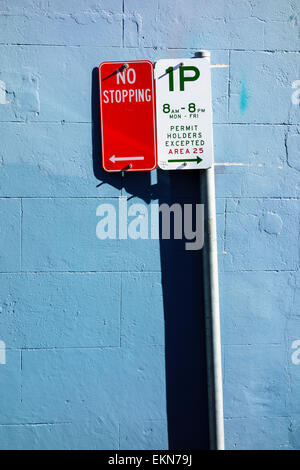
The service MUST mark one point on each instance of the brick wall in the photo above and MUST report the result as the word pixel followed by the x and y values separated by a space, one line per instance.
pixel 102 348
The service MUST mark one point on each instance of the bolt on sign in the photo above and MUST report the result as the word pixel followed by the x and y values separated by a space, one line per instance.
pixel 184 114
pixel 127 108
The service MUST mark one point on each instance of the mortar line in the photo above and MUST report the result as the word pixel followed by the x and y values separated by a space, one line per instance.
pixel 252 344
pixel 283 198
pixel 121 308
pixel 62 348
pixel 229 84
pixel 21 233
pixel 21 367
pixel 141 272
pixel 225 226
pixel 228 123
pixel 34 424
pixel 80 272
pixel 228 418
pixel 154 48
pixel 123 23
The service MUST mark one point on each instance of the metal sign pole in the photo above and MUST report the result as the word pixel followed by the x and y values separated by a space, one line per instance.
pixel 212 316
pixel 212 309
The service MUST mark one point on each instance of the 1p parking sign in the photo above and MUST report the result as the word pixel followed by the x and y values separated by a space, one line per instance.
pixel 184 114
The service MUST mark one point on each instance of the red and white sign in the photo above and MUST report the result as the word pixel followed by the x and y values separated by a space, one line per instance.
pixel 127 106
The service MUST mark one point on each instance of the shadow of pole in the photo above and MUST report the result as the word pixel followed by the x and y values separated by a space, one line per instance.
pixel 185 352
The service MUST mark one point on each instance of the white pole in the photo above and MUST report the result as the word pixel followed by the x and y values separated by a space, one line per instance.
pixel 212 310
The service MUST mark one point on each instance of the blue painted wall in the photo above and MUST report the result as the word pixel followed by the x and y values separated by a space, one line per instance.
pixel 105 339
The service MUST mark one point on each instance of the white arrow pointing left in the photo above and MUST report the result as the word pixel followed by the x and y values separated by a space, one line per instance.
pixel 119 159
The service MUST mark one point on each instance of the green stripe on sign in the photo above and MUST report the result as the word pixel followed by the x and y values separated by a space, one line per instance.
pixel 198 160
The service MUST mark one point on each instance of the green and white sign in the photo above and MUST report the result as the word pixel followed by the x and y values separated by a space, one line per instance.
pixel 184 114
